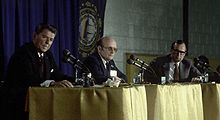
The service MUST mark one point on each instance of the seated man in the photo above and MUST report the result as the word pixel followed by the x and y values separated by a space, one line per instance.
pixel 172 66
pixel 101 62
pixel 32 65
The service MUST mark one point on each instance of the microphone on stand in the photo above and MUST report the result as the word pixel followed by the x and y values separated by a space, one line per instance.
pixel 143 65
pixel 69 58
pixel 130 61
pixel 86 75
pixel 200 63
pixel 139 60
pixel 68 54
pixel 139 78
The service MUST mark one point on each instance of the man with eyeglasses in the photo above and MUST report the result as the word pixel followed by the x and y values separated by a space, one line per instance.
pixel 101 63
pixel 172 66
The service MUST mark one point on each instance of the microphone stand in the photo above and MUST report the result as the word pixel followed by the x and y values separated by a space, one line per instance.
pixel 142 73
pixel 141 76
pixel 86 74
pixel 86 80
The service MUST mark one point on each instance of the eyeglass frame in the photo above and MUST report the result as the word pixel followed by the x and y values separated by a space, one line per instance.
pixel 178 51
pixel 110 48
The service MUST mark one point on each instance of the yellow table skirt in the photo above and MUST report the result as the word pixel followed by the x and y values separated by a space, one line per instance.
pixel 174 102
pixel 211 101
pixel 138 102
pixel 123 103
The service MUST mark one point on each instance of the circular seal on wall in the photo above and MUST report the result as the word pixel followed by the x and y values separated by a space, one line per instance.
pixel 90 28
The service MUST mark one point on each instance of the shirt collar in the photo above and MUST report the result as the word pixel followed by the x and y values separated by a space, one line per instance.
pixel 173 63
pixel 40 54
pixel 103 60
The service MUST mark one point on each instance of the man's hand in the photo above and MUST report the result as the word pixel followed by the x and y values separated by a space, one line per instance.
pixel 113 82
pixel 196 80
pixel 63 83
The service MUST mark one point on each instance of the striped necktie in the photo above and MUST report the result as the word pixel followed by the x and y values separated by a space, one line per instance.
pixel 176 72
pixel 171 73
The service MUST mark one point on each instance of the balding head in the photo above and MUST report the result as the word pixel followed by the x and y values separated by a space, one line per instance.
pixel 107 47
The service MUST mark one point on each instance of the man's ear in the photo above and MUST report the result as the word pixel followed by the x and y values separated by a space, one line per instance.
pixel 99 48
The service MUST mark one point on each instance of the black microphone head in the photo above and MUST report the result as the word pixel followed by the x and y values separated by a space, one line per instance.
pixel 204 59
pixel 196 59
pixel 130 61
pixel 132 57
pixel 67 57
pixel 66 52
pixel 206 64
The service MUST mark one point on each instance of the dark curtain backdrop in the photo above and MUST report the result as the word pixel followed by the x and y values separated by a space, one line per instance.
pixel 19 18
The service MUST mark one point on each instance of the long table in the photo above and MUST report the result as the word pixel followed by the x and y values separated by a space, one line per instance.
pixel 174 102
pixel 211 101
pixel 135 102
pixel 123 103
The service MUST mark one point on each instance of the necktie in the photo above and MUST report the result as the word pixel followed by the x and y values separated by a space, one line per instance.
pixel 176 72
pixel 41 66
pixel 108 68
pixel 171 73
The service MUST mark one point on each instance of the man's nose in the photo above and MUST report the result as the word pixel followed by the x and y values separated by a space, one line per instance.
pixel 47 41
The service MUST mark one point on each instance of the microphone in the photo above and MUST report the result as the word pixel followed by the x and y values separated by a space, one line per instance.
pixel 69 58
pixel 201 63
pixel 147 68
pixel 130 61
pixel 68 55
pixel 139 60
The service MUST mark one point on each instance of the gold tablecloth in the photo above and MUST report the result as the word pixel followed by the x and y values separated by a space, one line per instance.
pixel 139 102
pixel 174 102
pixel 123 103
pixel 211 101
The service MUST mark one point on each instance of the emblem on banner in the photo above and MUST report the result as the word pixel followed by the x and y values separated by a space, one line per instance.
pixel 89 29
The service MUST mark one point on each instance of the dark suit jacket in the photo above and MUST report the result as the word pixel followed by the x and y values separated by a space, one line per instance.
pixel 160 67
pixel 23 71
pixel 23 68
pixel 97 68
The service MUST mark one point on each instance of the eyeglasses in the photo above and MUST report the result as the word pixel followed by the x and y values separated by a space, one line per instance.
pixel 176 51
pixel 110 48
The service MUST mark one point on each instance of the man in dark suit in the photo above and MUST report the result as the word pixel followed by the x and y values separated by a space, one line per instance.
pixel 101 63
pixel 172 66
pixel 32 65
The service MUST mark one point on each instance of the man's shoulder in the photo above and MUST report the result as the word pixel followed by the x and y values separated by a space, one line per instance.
pixel 187 61
pixel 92 56
pixel 92 60
pixel 23 50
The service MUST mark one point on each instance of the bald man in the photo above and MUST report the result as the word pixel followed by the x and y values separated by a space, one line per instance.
pixel 101 63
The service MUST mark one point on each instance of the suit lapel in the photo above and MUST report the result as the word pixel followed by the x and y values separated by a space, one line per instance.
pixel 165 69
pixel 47 67
pixel 102 65
pixel 182 72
